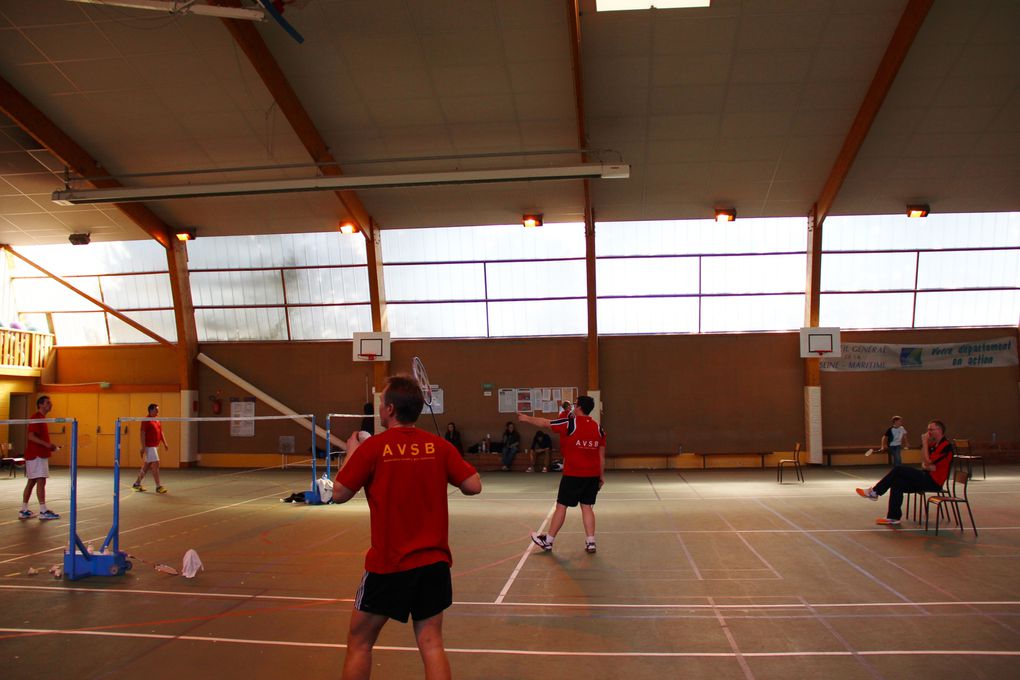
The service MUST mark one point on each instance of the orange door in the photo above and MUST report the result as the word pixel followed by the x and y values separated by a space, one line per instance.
pixel 111 407
pixel 84 407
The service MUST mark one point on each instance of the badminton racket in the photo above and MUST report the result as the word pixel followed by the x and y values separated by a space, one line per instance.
pixel 422 376
pixel 869 452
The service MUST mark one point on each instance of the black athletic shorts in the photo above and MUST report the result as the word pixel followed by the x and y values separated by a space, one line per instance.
pixel 421 592
pixel 574 490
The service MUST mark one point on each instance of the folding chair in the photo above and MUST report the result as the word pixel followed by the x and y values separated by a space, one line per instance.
pixel 795 462
pixel 954 501
pixel 966 456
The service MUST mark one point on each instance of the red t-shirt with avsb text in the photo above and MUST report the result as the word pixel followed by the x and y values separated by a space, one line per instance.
pixel 153 432
pixel 42 431
pixel 405 472
pixel 580 439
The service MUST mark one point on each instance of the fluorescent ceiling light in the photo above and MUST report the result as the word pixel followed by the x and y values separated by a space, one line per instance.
pixel 183 7
pixel 131 194
pixel 626 5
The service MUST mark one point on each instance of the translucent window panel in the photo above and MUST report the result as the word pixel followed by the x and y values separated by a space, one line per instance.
pixel 35 322
pixel 236 288
pixel 752 313
pixel 538 317
pixel 536 279
pixel 437 320
pixel 968 308
pixel 46 295
pixel 648 315
pixel 329 323
pixel 868 271
pixel 647 276
pixel 970 269
pixel 496 242
pixel 117 257
pixel 898 232
pixel 276 250
pixel 683 237
pixel 159 322
pixel 325 286
pixel 753 274
pixel 81 329
pixel 266 323
pixel 138 291
pixel 435 282
pixel 867 310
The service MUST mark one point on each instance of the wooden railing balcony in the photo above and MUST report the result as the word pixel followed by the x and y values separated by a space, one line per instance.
pixel 24 349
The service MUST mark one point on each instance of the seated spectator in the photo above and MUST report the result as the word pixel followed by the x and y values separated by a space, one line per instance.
pixel 541 446
pixel 453 436
pixel 511 442
pixel 936 461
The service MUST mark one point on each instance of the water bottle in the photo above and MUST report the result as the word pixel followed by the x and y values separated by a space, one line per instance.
pixel 488 443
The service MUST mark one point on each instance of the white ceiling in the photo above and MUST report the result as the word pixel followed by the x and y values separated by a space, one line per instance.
pixel 745 103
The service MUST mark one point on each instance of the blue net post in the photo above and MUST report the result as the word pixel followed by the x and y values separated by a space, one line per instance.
pixel 78 561
pixel 73 529
pixel 329 450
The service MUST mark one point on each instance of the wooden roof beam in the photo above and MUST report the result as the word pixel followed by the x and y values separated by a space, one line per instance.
pixel 36 123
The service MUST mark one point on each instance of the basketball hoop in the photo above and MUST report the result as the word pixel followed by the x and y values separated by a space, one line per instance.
pixel 368 356
pixel 822 352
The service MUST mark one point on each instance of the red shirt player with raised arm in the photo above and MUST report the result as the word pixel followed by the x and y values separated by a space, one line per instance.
pixel 584 462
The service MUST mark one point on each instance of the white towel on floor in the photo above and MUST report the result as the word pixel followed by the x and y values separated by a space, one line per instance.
pixel 192 564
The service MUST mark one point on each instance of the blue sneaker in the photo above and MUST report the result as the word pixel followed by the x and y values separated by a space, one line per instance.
pixel 49 514
pixel 26 514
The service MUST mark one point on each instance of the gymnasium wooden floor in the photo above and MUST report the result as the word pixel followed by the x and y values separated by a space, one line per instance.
pixel 718 574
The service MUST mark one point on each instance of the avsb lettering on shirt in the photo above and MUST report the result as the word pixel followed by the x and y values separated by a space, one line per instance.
pixel 414 449
pixel 587 444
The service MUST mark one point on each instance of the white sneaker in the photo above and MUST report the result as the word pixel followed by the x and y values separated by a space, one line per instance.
pixel 867 493
pixel 541 540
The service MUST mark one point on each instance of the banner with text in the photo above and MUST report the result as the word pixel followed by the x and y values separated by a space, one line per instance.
pixel 871 356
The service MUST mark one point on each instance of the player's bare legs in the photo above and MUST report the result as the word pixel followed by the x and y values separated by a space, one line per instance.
pixel 429 634
pixel 556 523
pixel 363 633
pixel 588 517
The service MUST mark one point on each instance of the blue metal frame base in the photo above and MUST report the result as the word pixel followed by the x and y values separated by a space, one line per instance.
pixel 77 565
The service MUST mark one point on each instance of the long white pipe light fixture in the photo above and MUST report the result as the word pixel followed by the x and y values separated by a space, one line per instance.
pixel 279 186
pixel 183 7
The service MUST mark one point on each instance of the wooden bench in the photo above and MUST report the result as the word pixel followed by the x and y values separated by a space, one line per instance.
pixel 704 456
pixel 829 451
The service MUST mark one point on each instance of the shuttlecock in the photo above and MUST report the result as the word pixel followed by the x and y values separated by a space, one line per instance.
pixel 166 569
pixel 57 571
pixel 192 564
pixel 32 571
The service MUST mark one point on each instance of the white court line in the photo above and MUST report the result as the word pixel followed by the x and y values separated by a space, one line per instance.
pixel 146 526
pixel 524 558
pixel 33 632
pixel 850 563
pixel 552 605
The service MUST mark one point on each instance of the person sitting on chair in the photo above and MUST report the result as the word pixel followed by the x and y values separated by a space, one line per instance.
pixel 511 442
pixel 936 459
pixel 541 446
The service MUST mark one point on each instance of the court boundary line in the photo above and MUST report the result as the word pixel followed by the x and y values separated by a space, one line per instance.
pixel 524 558
pixel 26 632
pixel 799 604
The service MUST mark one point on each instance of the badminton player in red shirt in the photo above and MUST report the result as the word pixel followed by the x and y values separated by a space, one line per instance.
pixel 405 472
pixel 152 437
pixel 584 462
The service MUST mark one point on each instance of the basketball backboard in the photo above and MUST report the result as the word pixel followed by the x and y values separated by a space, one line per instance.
pixel 371 347
pixel 817 343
